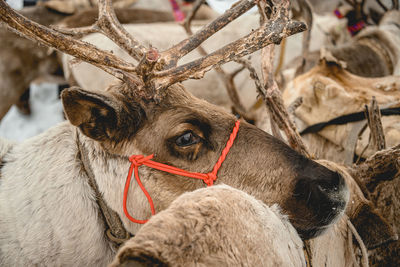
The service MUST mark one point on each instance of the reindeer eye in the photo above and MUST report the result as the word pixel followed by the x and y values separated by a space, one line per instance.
pixel 187 139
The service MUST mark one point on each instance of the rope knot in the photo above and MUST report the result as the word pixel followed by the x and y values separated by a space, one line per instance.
pixel 211 177
pixel 139 160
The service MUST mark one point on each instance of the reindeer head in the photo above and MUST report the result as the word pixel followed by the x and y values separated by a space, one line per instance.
pixel 152 114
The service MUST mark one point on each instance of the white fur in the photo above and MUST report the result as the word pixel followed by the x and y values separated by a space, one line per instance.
pixel 40 183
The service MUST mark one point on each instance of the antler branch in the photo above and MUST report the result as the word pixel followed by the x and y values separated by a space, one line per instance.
pixel 382 5
pixel 157 70
pixel 172 55
pixel 66 44
pixel 111 27
pixel 228 79
pixel 273 99
pixel 188 20
pixel 265 35
pixel 269 89
pixel 383 165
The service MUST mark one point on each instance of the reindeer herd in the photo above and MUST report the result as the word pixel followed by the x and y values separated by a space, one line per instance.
pixel 136 99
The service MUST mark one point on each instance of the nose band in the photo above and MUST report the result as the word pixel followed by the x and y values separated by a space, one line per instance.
pixel 139 160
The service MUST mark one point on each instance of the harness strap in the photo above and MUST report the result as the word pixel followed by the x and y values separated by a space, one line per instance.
pixel 139 160
pixel 351 230
pixel 353 117
pixel 307 253
pixel 115 231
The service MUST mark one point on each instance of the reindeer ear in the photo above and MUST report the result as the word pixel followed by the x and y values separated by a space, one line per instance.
pixel 137 262
pixel 374 230
pixel 92 112
pixel 138 257
pixel 101 116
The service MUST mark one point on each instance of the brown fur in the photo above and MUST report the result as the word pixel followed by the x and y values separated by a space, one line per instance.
pixel 372 53
pixel 386 197
pixel 362 60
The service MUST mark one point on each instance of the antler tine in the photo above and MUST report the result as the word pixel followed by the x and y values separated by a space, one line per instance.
pixel 273 32
pixel 270 92
pixel 188 20
pixel 108 24
pixel 395 4
pixel 225 77
pixel 111 27
pixel 172 55
pixel 382 5
pixel 79 49
pixel 358 7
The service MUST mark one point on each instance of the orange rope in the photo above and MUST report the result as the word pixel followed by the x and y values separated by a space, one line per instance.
pixel 139 160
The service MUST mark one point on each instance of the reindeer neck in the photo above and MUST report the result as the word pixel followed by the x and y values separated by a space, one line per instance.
pixel 109 170
pixel 44 178
pixel 115 230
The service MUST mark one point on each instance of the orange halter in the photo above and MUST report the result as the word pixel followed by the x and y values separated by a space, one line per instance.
pixel 138 160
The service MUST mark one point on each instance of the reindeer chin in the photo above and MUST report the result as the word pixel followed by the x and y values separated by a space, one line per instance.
pixel 330 218
pixel 312 232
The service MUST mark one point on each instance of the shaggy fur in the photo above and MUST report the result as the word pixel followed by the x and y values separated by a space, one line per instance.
pixel 385 195
pixel 215 226
pixel 5 146
pixel 41 211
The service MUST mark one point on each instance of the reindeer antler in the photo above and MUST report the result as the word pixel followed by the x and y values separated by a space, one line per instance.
pixel 155 71
pixel 280 27
pixel 358 8
pixel 66 44
pixel 111 27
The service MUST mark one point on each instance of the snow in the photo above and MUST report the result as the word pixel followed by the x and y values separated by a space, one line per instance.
pixel 16 4
pixel 46 110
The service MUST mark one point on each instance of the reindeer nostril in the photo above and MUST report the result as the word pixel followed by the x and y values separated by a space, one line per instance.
pixel 327 188
pixel 321 188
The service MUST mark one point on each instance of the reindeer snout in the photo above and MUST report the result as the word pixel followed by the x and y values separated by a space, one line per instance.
pixel 331 193
pixel 324 192
pixel 331 185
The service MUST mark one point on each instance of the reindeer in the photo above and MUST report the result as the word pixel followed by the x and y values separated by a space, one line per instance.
pixel 61 192
pixel 373 52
